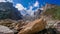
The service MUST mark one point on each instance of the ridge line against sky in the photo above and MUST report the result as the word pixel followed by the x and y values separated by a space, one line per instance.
pixel 30 5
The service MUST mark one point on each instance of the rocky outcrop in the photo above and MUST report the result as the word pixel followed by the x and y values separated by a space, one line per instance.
pixel 33 27
pixel 5 30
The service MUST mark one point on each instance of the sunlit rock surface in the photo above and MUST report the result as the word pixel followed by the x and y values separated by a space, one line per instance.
pixel 33 27
pixel 5 30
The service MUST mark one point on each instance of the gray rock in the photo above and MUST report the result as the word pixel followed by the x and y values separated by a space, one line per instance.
pixel 8 11
pixel 5 30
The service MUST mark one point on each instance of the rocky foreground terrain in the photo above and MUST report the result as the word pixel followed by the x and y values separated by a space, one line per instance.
pixel 37 26
pixel 9 26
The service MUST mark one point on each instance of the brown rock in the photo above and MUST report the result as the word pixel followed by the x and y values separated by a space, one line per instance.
pixel 19 25
pixel 33 27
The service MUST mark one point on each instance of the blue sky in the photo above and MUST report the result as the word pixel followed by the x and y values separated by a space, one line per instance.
pixel 28 3
pixel 25 3
pixel 56 2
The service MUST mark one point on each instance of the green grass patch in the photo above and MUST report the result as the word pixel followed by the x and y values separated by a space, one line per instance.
pixel 55 12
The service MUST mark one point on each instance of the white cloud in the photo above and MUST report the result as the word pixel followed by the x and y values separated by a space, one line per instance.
pixel 19 6
pixel 6 0
pixel 2 1
pixel 31 7
pixel 10 0
pixel 36 4
pixel 30 11
pixel 25 8
pixel 42 8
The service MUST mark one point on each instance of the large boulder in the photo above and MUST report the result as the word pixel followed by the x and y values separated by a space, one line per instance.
pixel 5 30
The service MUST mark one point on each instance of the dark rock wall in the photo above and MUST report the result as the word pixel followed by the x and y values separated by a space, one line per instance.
pixel 8 11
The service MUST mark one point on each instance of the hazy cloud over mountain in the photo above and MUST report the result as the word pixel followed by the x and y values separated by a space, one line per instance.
pixel 6 0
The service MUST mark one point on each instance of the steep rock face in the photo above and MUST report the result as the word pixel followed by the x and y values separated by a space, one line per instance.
pixel 8 11
pixel 5 10
pixel 37 13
